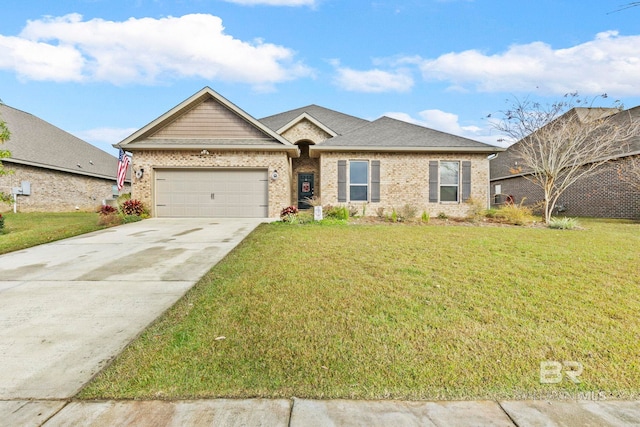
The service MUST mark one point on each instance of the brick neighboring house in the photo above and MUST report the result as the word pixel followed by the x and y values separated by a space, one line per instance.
pixel 62 172
pixel 601 195
pixel 206 157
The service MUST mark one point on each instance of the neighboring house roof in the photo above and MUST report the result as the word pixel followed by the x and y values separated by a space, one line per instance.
pixel 391 135
pixel 207 120
pixel 338 123
pixel 34 142
pixel 502 167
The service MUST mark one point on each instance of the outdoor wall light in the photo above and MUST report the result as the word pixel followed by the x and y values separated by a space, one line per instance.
pixel 140 173
pixel 274 175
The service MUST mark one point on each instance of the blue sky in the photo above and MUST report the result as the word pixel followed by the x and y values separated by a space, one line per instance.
pixel 101 69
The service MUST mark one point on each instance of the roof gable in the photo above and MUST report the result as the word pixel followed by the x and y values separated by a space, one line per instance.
pixel 339 123
pixel 387 134
pixel 206 120
pixel 35 142
pixel 306 117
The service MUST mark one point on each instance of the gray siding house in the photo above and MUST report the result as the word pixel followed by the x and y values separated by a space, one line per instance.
pixel 60 172
pixel 206 157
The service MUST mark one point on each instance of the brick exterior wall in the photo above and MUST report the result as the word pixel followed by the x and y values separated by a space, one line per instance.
pixel 305 130
pixel 56 191
pixel 603 195
pixel 404 180
pixel 280 195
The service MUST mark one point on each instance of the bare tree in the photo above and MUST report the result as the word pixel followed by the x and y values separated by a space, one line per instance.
pixel 630 172
pixel 563 142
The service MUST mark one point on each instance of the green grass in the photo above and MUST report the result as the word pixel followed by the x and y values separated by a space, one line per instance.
pixel 398 312
pixel 24 230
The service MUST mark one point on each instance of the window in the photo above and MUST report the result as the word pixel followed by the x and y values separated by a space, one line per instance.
pixel 449 181
pixel 358 181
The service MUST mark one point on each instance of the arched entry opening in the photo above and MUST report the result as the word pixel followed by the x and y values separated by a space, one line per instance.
pixel 306 176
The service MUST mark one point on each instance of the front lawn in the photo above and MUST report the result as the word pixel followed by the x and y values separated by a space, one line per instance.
pixel 23 230
pixel 399 312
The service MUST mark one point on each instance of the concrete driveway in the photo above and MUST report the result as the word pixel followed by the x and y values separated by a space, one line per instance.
pixel 67 308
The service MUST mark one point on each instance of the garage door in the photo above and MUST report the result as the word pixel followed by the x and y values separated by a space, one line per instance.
pixel 228 193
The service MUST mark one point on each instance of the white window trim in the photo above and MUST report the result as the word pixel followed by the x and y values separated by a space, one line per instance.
pixel 367 185
pixel 458 185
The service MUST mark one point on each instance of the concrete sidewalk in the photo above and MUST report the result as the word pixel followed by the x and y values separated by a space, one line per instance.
pixel 320 413
pixel 67 308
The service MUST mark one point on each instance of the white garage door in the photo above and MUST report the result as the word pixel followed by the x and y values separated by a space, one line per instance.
pixel 220 193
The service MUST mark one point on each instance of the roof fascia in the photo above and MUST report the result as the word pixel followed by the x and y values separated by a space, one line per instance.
pixel 316 150
pixel 291 149
pixel 309 117
pixel 59 169
pixel 206 91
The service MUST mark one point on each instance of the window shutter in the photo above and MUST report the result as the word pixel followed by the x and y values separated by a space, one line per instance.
pixel 433 181
pixel 342 181
pixel 375 180
pixel 466 180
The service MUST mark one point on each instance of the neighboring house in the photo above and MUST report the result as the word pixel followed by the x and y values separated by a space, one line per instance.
pixel 601 195
pixel 58 171
pixel 207 157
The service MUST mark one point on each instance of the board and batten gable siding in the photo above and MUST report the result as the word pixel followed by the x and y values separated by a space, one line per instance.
pixel 208 119
pixel 404 180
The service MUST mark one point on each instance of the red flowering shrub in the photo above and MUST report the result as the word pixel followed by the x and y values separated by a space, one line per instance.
pixel 286 212
pixel 133 207
pixel 107 210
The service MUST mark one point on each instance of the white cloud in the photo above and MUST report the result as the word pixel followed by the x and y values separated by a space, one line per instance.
pixel 104 138
pixel 143 50
pixel 609 63
pixel 274 2
pixel 450 123
pixel 373 81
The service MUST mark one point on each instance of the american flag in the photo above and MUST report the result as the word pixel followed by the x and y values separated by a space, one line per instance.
pixel 123 164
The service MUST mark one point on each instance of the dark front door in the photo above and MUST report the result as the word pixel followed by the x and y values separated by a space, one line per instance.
pixel 305 189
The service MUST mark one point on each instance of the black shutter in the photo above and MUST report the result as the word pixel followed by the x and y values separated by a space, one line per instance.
pixel 433 181
pixel 466 181
pixel 342 181
pixel 375 180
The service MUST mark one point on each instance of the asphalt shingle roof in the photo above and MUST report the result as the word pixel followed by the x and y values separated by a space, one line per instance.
pixel 338 122
pixel 36 142
pixel 386 132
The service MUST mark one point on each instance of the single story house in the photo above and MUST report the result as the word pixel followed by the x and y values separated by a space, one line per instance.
pixel 207 157
pixel 52 170
pixel 602 195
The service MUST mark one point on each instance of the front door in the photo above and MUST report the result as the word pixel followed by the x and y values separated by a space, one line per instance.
pixel 305 189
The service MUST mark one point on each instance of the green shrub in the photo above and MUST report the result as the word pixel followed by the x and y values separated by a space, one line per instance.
pixel 514 214
pixel 477 209
pixel 1 223
pixel 408 213
pixel 491 212
pixel 425 217
pixel 442 215
pixel 336 212
pixel 130 218
pixel 394 216
pixel 563 223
